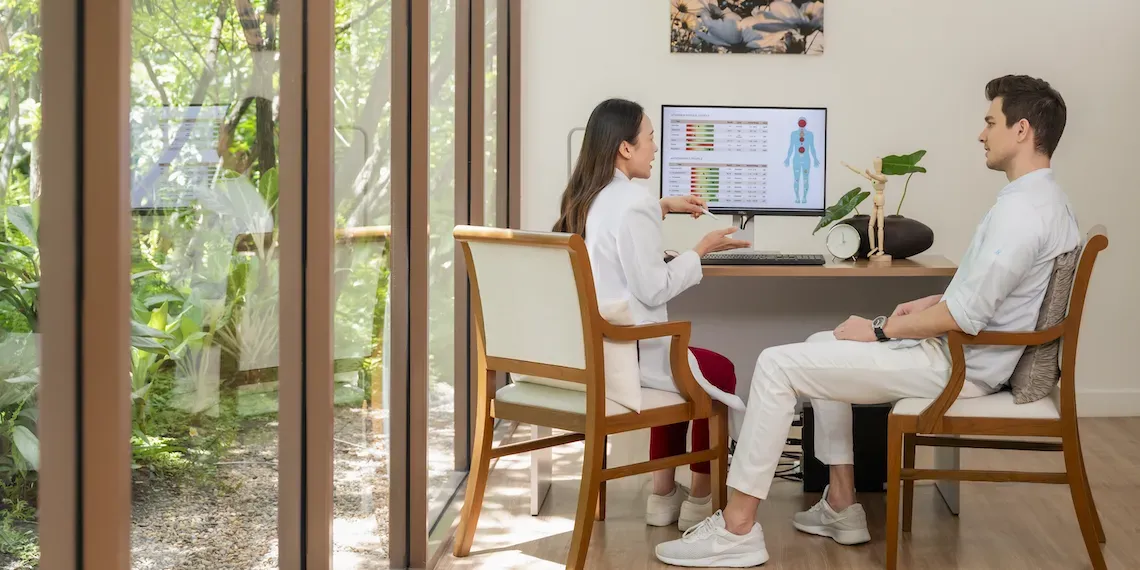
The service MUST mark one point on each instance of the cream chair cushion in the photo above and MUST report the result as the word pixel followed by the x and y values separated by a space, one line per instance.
pixel 574 401
pixel 623 374
pixel 998 405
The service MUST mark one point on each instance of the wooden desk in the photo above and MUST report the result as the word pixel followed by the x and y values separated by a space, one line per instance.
pixel 917 266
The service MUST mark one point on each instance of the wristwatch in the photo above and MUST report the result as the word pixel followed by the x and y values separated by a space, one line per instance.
pixel 878 325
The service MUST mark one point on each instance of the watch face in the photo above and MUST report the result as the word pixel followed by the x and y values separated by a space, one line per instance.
pixel 843 241
pixel 879 322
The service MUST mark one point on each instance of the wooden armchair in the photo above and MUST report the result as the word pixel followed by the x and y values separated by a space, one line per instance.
pixel 536 314
pixel 943 419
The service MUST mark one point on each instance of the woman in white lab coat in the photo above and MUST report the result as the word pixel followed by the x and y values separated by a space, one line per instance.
pixel 621 223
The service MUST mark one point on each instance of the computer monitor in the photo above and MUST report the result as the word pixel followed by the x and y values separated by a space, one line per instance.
pixel 746 161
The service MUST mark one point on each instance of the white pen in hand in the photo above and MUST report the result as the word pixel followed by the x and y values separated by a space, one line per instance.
pixel 707 212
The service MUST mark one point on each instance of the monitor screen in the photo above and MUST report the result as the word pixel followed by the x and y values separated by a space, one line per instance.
pixel 746 160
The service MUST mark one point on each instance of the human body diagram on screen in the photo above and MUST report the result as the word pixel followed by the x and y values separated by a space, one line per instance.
pixel 801 143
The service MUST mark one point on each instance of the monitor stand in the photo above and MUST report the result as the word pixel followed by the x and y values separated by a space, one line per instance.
pixel 741 222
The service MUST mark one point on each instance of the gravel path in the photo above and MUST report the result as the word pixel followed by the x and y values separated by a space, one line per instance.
pixel 230 523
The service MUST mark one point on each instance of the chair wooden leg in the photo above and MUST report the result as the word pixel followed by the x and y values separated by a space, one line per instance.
pixel 1088 493
pixel 1077 487
pixel 600 511
pixel 718 438
pixel 894 473
pixel 908 486
pixel 476 483
pixel 587 501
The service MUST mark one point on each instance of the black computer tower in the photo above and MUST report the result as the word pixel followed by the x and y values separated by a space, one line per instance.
pixel 870 442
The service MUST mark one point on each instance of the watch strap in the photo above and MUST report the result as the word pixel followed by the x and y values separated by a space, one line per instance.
pixel 878 328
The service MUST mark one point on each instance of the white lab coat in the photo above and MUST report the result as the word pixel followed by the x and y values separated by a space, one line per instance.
pixel 623 236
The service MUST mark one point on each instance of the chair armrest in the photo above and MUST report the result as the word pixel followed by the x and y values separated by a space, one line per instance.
pixel 678 356
pixel 930 420
pixel 643 332
pixel 1015 338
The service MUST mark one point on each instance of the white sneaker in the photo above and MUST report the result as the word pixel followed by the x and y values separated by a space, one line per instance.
pixel 664 510
pixel 848 527
pixel 710 544
pixel 693 511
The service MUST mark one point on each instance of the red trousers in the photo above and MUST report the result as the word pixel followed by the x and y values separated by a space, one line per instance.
pixel 665 441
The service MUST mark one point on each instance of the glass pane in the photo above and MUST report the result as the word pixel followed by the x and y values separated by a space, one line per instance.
pixel 441 262
pixel 490 113
pixel 361 422
pixel 19 279
pixel 204 356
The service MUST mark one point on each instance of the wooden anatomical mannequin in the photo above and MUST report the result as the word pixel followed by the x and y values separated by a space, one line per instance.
pixel 877 254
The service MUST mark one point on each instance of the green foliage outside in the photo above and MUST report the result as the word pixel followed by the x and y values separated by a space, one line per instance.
pixel 204 306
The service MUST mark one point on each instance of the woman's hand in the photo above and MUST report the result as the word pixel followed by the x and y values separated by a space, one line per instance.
pixel 719 240
pixel 687 204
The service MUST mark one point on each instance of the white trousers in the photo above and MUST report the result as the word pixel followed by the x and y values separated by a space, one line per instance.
pixel 834 374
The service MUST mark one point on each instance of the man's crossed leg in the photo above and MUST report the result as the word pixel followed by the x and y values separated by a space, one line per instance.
pixel 834 374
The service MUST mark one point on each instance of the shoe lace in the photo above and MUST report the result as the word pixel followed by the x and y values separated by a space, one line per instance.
pixel 702 530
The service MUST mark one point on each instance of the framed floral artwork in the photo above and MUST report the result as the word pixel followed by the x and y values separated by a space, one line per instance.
pixel 746 26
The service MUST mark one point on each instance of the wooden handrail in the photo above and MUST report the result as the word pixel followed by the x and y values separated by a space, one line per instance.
pixel 247 242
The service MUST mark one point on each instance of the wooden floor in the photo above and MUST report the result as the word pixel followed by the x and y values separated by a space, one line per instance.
pixel 1006 526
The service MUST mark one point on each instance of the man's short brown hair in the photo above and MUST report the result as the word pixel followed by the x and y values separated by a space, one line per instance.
pixel 1032 99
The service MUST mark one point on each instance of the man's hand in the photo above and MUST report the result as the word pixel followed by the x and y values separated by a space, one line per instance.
pixel 687 204
pixel 857 329
pixel 916 306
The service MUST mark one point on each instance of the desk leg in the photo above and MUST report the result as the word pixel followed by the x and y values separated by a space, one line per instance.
pixel 949 458
pixel 541 466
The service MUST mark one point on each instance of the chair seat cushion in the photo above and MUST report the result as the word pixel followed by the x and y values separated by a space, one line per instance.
pixel 574 401
pixel 997 405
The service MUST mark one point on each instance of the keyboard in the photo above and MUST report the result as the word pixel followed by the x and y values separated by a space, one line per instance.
pixel 758 258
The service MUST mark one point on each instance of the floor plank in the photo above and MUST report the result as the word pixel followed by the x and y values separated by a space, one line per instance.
pixel 1006 526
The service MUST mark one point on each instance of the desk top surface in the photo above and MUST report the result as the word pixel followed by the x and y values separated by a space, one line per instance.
pixel 917 266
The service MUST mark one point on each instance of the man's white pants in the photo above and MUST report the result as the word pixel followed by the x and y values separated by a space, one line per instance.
pixel 834 374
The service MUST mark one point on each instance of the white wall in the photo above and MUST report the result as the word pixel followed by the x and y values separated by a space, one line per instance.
pixel 896 77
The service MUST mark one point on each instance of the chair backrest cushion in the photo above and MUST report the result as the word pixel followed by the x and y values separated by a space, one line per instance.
pixel 529 296
pixel 1039 370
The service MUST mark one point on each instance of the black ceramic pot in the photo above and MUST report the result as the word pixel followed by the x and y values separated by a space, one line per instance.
pixel 905 237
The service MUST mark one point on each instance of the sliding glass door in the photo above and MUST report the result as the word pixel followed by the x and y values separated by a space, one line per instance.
pixel 362 380
pixel 241 339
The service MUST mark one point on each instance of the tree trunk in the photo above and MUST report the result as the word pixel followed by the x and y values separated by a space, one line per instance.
pixel 34 171
pixel 352 174
pixel 199 96
pixel 8 154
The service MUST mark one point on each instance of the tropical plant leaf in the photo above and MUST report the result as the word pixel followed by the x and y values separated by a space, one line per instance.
pixel 139 329
pixel 841 208
pixel 161 298
pixel 28 445
pixel 29 252
pixel 148 344
pixel 141 274
pixel 897 165
pixel 31 414
pixel 24 220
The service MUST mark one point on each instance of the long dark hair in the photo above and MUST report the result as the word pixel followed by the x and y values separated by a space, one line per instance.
pixel 611 122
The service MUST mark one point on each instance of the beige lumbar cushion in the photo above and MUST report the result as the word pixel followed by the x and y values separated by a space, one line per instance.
pixel 1039 370
pixel 623 373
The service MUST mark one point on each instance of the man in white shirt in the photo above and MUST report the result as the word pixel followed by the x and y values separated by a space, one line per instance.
pixel 999 286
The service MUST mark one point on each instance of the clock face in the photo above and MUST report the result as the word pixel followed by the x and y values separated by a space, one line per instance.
pixel 843 241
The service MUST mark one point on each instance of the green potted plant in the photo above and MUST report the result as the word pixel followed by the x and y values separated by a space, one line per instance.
pixel 904 236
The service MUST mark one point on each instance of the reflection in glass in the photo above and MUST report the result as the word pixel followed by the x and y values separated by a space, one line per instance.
pixel 442 475
pixel 20 186
pixel 205 298
pixel 361 428
pixel 490 113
